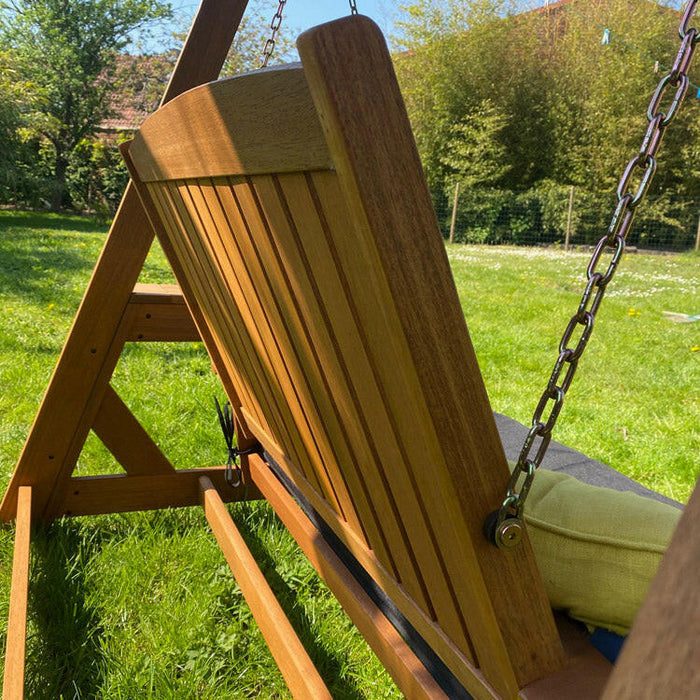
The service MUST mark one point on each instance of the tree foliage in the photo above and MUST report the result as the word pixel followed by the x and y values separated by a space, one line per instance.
pixel 66 50
pixel 569 108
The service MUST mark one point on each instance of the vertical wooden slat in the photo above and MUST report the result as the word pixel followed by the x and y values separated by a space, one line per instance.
pixel 237 265
pixel 13 683
pixel 221 305
pixel 157 220
pixel 193 287
pixel 352 81
pixel 294 290
pixel 399 458
pixel 252 248
pixel 292 659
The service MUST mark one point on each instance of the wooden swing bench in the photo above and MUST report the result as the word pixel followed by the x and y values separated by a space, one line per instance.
pixel 292 207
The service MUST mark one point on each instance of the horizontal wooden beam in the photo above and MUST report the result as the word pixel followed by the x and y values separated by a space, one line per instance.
pixel 13 683
pixel 117 493
pixel 403 665
pixel 156 294
pixel 298 670
pixel 158 313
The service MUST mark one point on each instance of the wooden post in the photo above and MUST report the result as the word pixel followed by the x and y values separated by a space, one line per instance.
pixel 13 682
pixel 697 237
pixel 454 213
pixel 568 218
pixel 297 668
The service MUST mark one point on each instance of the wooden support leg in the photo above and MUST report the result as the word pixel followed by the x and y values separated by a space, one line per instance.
pixel 291 657
pixel 13 683
pixel 86 363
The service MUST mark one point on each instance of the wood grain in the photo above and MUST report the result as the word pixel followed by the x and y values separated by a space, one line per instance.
pixel 159 220
pixel 661 657
pixel 351 78
pixel 400 661
pixel 117 493
pixel 13 682
pixel 126 439
pixel 292 659
pixel 253 123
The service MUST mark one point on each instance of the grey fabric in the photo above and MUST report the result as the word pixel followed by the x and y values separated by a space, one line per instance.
pixel 560 458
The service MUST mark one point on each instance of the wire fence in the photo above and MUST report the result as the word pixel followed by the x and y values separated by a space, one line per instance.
pixel 565 216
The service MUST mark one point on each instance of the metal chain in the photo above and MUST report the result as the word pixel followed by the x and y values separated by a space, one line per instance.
pixel 643 165
pixel 269 47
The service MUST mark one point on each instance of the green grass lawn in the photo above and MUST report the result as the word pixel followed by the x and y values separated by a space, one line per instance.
pixel 143 605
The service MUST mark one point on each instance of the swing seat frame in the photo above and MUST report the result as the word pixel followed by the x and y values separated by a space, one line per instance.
pixel 321 289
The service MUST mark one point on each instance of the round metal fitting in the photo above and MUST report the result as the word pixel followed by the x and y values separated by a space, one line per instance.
pixel 509 534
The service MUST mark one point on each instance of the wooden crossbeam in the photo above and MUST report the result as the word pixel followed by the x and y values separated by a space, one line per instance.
pixel 13 683
pixel 116 493
pixel 159 314
pixel 126 439
pixel 297 668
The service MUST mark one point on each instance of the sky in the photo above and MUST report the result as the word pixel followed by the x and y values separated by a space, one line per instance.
pixel 302 14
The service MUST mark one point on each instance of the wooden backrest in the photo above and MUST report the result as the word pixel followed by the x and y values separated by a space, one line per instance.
pixel 292 205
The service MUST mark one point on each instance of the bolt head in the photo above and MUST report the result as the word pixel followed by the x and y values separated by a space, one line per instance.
pixel 509 534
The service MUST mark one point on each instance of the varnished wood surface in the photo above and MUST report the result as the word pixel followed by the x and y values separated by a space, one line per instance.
pixel 500 594
pixel 253 123
pixel 298 670
pixel 86 363
pixel 328 300
pixel 83 370
pixel 13 682
pixel 661 657
pixel 153 293
pixel 126 439
pixel 586 671
pixel 161 322
pixel 117 493
pixel 405 668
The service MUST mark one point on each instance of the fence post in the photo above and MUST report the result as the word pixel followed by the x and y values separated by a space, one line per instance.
pixel 568 218
pixel 697 236
pixel 454 214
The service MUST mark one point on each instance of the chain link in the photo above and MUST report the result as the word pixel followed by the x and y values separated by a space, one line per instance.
pixel 269 47
pixel 643 167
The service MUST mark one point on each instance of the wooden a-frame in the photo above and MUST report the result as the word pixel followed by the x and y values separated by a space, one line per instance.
pixel 114 310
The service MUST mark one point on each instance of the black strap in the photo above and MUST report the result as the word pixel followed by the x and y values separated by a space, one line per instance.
pixel 427 656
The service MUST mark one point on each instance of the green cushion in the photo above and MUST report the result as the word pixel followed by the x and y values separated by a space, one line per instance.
pixel 597 549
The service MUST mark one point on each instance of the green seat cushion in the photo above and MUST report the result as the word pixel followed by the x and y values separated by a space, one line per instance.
pixel 597 549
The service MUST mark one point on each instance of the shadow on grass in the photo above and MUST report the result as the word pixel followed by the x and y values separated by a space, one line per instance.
pixel 328 664
pixel 52 222
pixel 29 268
pixel 64 651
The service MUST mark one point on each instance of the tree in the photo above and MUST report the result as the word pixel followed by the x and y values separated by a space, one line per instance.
pixel 475 154
pixel 66 50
